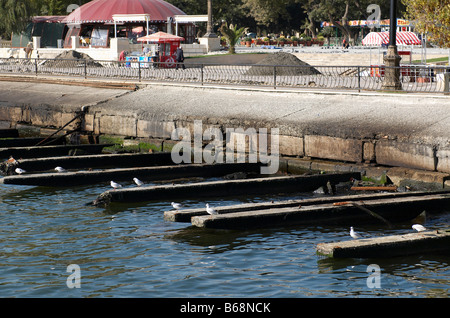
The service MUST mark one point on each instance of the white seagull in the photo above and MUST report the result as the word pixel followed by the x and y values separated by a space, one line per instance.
pixel 138 182
pixel 354 234
pixel 177 206
pixel 60 169
pixel 115 185
pixel 419 228
pixel 210 210
pixel 19 171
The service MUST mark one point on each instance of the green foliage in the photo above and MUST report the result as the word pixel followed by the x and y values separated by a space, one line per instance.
pixel 16 14
pixel 431 17
pixel 232 35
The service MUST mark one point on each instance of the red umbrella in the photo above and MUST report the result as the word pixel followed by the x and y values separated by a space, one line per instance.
pixel 161 37
pixel 101 11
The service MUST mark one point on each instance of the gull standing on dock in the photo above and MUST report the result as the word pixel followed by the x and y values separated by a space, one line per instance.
pixel 138 182
pixel 419 228
pixel 210 210
pixel 19 171
pixel 354 234
pixel 177 206
pixel 115 185
pixel 60 169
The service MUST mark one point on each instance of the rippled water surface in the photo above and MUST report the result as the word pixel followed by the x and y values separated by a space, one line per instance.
pixel 131 251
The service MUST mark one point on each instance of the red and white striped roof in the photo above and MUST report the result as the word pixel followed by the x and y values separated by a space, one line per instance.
pixel 101 11
pixel 379 38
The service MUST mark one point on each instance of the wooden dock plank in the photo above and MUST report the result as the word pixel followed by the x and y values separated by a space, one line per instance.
pixel 184 215
pixel 225 188
pixel 388 246
pixel 392 209
pixel 127 174
pixel 49 151
pixel 97 161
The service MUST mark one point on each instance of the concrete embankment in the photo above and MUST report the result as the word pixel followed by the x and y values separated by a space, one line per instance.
pixel 408 131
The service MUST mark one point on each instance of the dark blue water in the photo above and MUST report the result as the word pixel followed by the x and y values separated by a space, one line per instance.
pixel 131 251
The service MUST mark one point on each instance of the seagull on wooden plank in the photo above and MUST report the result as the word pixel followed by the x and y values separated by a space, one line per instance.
pixel 19 171
pixel 354 234
pixel 177 206
pixel 60 169
pixel 138 182
pixel 210 210
pixel 115 185
pixel 419 228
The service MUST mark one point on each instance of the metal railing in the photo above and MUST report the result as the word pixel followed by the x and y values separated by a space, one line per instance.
pixel 414 78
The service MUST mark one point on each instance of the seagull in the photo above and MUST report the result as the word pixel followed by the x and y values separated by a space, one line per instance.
pixel 210 210
pixel 60 169
pixel 138 182
pixel 177 206
pixel 354 234
pixel 19 171
pixel 115 185
pixel 419 228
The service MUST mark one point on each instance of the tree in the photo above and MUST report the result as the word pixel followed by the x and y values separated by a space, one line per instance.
pixel 340 12
pixel 15 15
pixel 431 17
pixel 232 34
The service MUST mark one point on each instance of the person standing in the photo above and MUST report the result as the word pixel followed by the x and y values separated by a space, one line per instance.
pixel 180 58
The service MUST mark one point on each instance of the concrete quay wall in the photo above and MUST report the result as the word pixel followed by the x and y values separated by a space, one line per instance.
pixel 390 130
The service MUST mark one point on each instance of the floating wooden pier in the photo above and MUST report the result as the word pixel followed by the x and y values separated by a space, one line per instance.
pixel 28 141
pixel 348 211
pixel 50 151
pixel 388 246
pixel 185 214
pixel 225 188
pixel 127 174
pixel 86 162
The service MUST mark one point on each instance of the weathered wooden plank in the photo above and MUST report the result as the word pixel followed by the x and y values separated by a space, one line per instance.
pixel 50 151
pixel 97 161
pixel 122 174
pixel 394 210
pixel 388 246
pixel 226 188
pixel 184 215
pixel 27 141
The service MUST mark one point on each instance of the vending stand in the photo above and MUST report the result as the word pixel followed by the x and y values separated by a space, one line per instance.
pixel 167 45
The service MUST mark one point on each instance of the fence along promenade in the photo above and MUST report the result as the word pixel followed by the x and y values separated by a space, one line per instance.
pixel 414 78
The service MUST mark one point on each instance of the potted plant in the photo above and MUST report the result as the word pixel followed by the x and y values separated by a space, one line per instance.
pixel 308 41
pixel 281 41
pixel 266 41
pixel 295 40
pixel 321 40
pixel 248 41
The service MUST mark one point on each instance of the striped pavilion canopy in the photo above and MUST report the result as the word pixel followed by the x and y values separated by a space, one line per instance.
pixel 380 38
pixel 102 11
